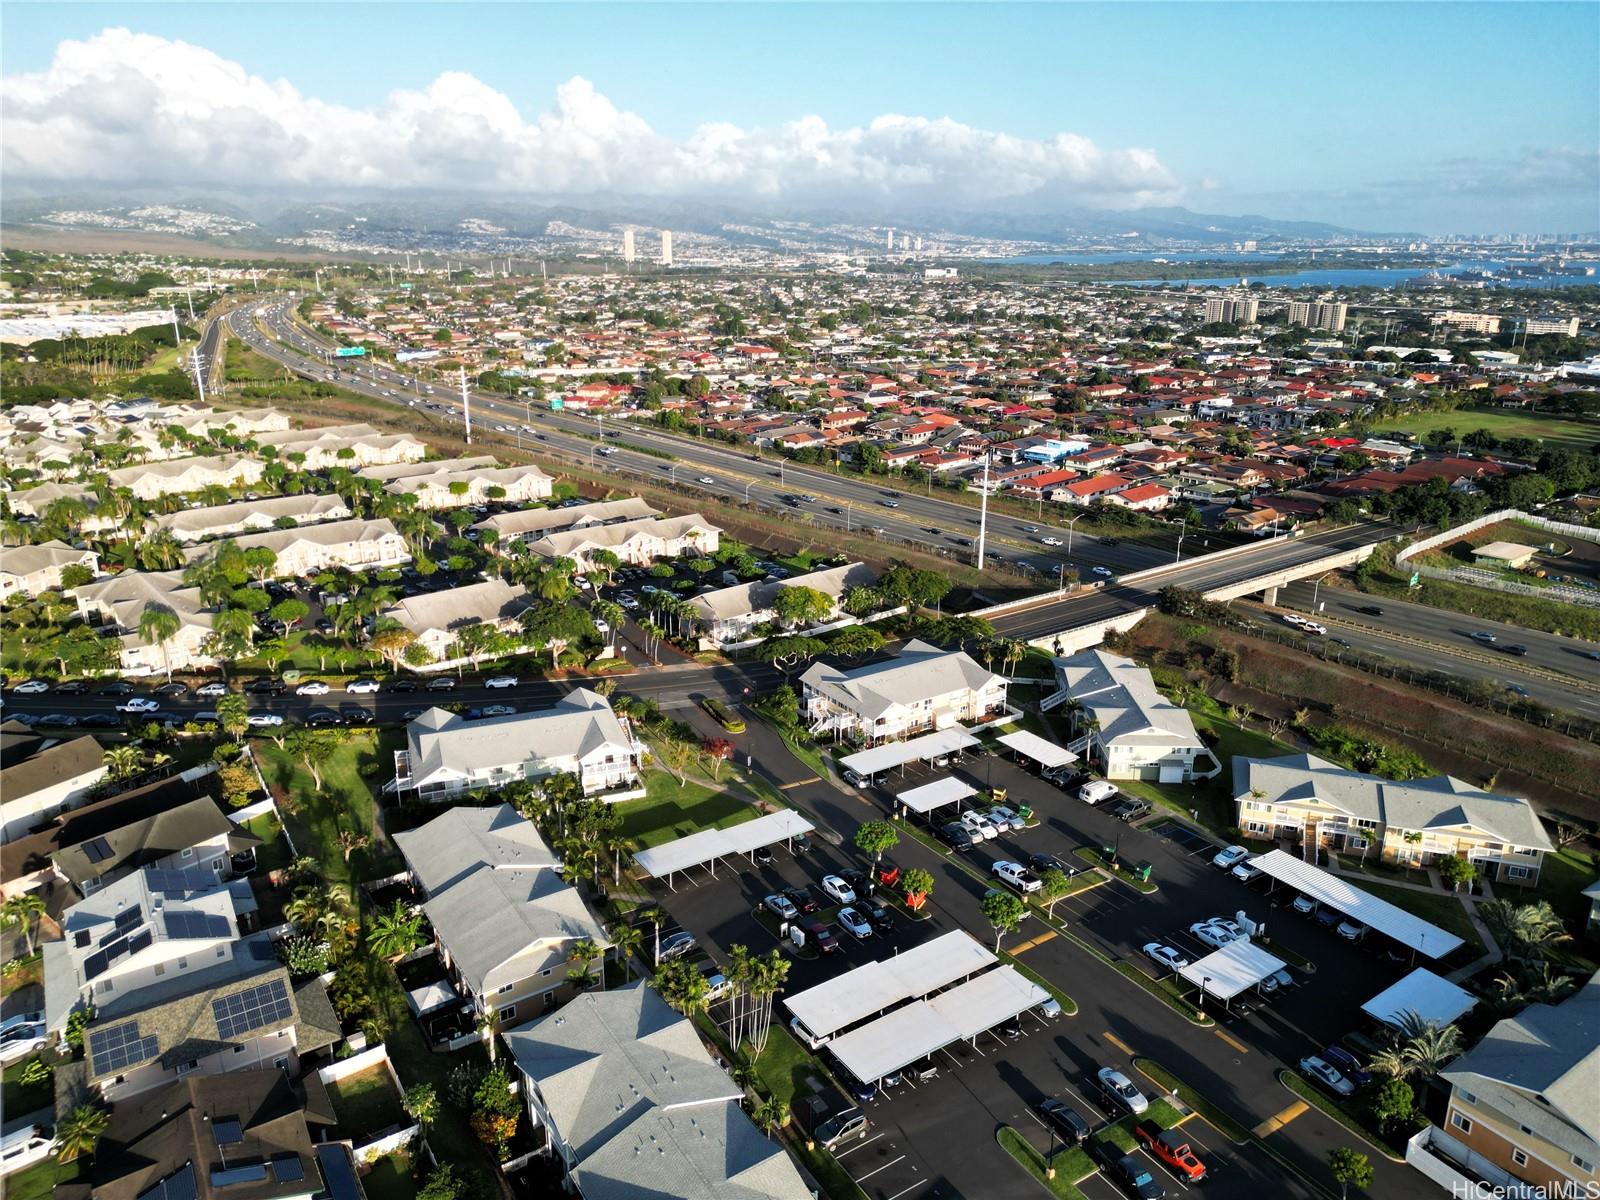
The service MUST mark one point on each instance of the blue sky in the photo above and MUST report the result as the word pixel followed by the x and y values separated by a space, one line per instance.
pixel 1430 116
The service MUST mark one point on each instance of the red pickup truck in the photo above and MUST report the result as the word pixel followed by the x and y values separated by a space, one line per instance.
pixel 1172 1148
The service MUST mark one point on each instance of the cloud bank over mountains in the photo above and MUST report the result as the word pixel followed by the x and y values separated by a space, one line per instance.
pixel 128 107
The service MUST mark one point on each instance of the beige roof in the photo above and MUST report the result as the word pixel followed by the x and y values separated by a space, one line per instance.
pixel 334 533
pixel 600 537
pixel 759 596
pixel 25 560
pixel 454 608
pixel 576 516
pixel 390 471
pixel 307 507
pixel 176 468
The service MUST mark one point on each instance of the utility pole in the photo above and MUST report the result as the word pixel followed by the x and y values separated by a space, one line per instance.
pixel 983 513
pixel 466 404
pixel 189 299
pixel 199 373
pixel 176 339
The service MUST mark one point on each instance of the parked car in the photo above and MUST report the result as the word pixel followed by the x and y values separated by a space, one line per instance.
pixel 443 683
pixel 262 720
pixel 1323 1072
pixel 851 1123
pixel 979 826
pixel 1165 956
pixel 1018 876
pixel 1005 818
pixel 32 687
pixel 21 1035
pixel 1040 863
pixel 1346 1064
pixel 1096 791
pixel 1304 905
pixel 1120 1089
pixel 1136 1178
pixel 403 685
pixel 501 681
pixel 838 890
pixel 1231 857
pixel 676 945
pixel 781 907
pixel 322 716
pixel 822 938
pixel 138 704
pixel 1351 930
pixel 1327 917
pixel 265 687
pixel 215 688
pixel 1069 1126
pixel 954 834
pixel 1246 871
pixel 801 898
pixel 716 987
pixel 1172 1148
pixel 1130 809
pixel 879 915
pixel 120 688
pixel 74 687
pixel 1213 935
pixel 855 780
pixel 362 687
pixel 315 688
pixel 853 923
pixel 499 710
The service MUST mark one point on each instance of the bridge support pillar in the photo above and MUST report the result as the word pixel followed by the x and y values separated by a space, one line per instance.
pixel 1269 596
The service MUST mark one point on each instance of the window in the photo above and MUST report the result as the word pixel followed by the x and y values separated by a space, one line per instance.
pixel 546 972
pixel 238 1049
pixel 183 964
pixel 222 952
pixel 1257 827
pixel 1462 1123
pixel 1517 872
pixel 160 970
pixel 1583 1164
pixel 1520 1157
pixel 281 1063
pixel 108 987
pixel 508 1012
pixel 188 852
pixel 1468 1096
pixel 549 1001
pixel 506 989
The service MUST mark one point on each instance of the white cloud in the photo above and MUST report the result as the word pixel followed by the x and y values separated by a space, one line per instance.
pixel 123 106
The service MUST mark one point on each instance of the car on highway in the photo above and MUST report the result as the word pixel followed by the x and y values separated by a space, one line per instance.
pixel 891 504
pixel 265 687
pixel 1484 636
pixel 322 716
pixel 1101 570
pixel 1321 1071
pixel 1516 689
pixel 1371 610
pixel 1229 858
pixel 705 481
pixel 1165 956
pixel 781 907
pixel 1050 541
pixel 1513 649
pixel 442 684
pixel 215 688
pixel 1017 875
pixel 172 689
pixel 1119 1088
pixel 362 687
pixel 31 688
pixel 501 681
pixel 1060 1116
pixel 138 704
pixel 853 923
pixel 838 890
pixel 76 687
pixel 315 688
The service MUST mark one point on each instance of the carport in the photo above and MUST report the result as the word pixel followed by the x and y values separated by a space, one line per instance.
pixel 1388 919
pixel 1030 745
pixel 870 989
pixel 906 1035
pixel 923 800
pixel 1431 997
pixel 703 849
pixel 1235 968
pixel 867 763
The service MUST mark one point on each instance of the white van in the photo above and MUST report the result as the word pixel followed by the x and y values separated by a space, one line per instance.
pixel 1097 790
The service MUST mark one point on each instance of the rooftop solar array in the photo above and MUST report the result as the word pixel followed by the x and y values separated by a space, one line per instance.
pixel 249 1173
pixel 180 1185
pixel 287 1168
pixel 195 925
pixel 120 1047
pixel 97 850
pixel 252 1008
pixel 227 1131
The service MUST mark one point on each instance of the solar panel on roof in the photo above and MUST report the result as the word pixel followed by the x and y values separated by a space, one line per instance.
pixel 81 938
pixel 97 850
pixel 249 1173
pixel 120 1047
pixel 252 1008
pixel 195 925
pixel 180 1185
pixel 115 950
pixel 128 918
pixel 227 1131
pixel 287 1168
pixel 140 941
pixel 95 965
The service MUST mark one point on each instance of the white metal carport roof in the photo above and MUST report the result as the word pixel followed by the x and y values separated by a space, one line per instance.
pixel 1388 919
pixel 1430 996
pixel 898 754
pixel 699 849
pixel 1237 967
pixel 936 794
pixel 917 1030
pixel 1046 753
pixel 845 999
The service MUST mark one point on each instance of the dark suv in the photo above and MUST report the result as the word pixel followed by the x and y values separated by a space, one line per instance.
pixel 955 836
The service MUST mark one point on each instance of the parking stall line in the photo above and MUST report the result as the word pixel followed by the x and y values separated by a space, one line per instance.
pixel 859 1145
pixel 863 1178
pixel 912 1188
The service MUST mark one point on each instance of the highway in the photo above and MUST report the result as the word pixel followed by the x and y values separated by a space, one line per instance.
pixel 921 519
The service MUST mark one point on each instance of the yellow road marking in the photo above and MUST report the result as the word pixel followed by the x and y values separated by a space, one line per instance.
pixel 1118 1043
pixel 1032 942
pixel 1273 1124
pixel 1232 1041
pixel 784 787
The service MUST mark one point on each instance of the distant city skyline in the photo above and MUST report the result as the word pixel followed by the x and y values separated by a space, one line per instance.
pixel 1435 118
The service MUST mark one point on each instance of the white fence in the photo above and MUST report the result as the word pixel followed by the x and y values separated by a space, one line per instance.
pixel 1560 528
pixel 376 1148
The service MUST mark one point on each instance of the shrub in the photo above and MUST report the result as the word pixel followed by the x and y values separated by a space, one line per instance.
pixel 303 955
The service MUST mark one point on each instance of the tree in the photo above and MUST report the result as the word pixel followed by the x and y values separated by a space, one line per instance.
pixel 627 939
pixel 770 1114
pixel 1524 931
pixel 24 909
pixel 233 715
pixel 785 653
pixel 876 838
pixel 798 606
pixel 716 751
pixel 395 933
pixel 582 956
pixel 158 625
pixel 856 642
pixel 489 1027
pixel 350 842
pixel 682 986
pixel 657 916
pixel 1457 871
pixel 1003 910
pixel 442 1182
pixel 1054 886
pixel 916 885
pixel 1351 1169
pixel 1427 1045
pixel 315 747
pixel 123 762
pixel 238 782
pixel 79 1132
pixel 1392 1103
pixel 676 753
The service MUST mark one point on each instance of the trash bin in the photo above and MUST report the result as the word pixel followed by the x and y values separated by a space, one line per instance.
pixel 1142 872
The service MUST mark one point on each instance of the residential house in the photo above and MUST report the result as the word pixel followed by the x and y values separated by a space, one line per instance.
pixel 477 862
pixel 1144 497
pixel 252 516
pixel 177 476
pixel 639 542
pixel 118 603
pixel 447 754
pixel 50 776
pixel 730 614
pixel 531 524
pixel 458 482
pixel 355 545
pixel 632 1104
pixel 1523 1108
pixel 34 570
pixel 1126 723
pixel 921 688
pixel 1417 821
pixel 438 618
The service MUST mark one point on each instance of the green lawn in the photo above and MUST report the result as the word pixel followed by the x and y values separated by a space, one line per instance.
pixel 670 809
pixel 20 1098
pixel 1444 911
pixel 40 1181
pixel 390 1178
pixel 784 1066
pixel 273 853
pixel 1072 1164
pixel 1562 879
pixel 366 1101
pixel 1552 430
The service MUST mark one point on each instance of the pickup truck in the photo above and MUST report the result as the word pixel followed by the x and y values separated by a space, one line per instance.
pixel 1172 1148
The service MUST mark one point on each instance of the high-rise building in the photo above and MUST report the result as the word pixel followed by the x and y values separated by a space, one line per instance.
pixel 1470 321
pixel 1319 314
pixel 666 247
pixel 1233 310
pixel 919 245
pixel 1549 324
pixel 627 245
pixel 891 241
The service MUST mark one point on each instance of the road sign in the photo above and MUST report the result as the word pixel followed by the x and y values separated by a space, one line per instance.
pixel 1416 579
pixel 350 352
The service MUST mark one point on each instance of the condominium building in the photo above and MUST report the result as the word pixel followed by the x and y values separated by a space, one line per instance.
pixel 1318 314
pixel 1468 322
pixel 1234 310
pixel 1566 326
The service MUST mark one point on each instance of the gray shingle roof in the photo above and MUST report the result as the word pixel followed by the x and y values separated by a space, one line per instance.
pixel 1123 698
pixel 919 671
pixel 579 724
pixel 462 840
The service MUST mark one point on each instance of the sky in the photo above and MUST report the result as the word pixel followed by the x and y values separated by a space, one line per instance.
pixel 1433 118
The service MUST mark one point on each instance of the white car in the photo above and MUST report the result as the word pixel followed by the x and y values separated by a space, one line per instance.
pixel 1006 818
pixel 264 720
pixel 1313 627
pixel 1212 935
pixel 979 826
pixel 1351 931
pixel 1101 570
pixel 138 704
pixel 360 687
pixel 706 480
pixel 628 602
pixel 1120 1088
pixel 1050 541
pixel 32 688
pixel 1227 859
pixel 1246 871
pixel 716 986
pixel 1097 790
pixel 315 688
pixel 1325 1074
pixel 214 688
pixel 1165 956
pixel 838 889
pixel 602 627
pixel 855 780
pixel 1304 905
pixel 22 1035
pixel 1018 876
pixel 501 681
pixel 781 907
pixel 1294 619
pixel 854 924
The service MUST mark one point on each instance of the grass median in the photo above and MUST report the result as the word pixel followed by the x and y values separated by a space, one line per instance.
pixel 1167 1081
pixel 1303 1088
pixel 1072 1164
pixel 1090 855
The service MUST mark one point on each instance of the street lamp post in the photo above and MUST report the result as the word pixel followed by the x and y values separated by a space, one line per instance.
pixel 1183 529
pixel 1204 979
pixel 747 488
pixel 848 504
pixel 1070 524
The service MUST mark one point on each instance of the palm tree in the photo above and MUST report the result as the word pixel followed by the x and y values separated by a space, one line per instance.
pixel 421 1104
pixel 582 956
pixel 489 1026
pixel 1524 931
pixel 395 933
pixel 24 909
pixel 627 939
pixel 78 1133
pixel 1428 1045
pixel 770 1114
pixel 658 917
pixel 122 762
pixel 158 625
pixel 1390 1062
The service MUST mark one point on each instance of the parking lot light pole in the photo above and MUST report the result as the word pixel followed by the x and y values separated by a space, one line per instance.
pixel 1050 1155
pixel 1204 979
